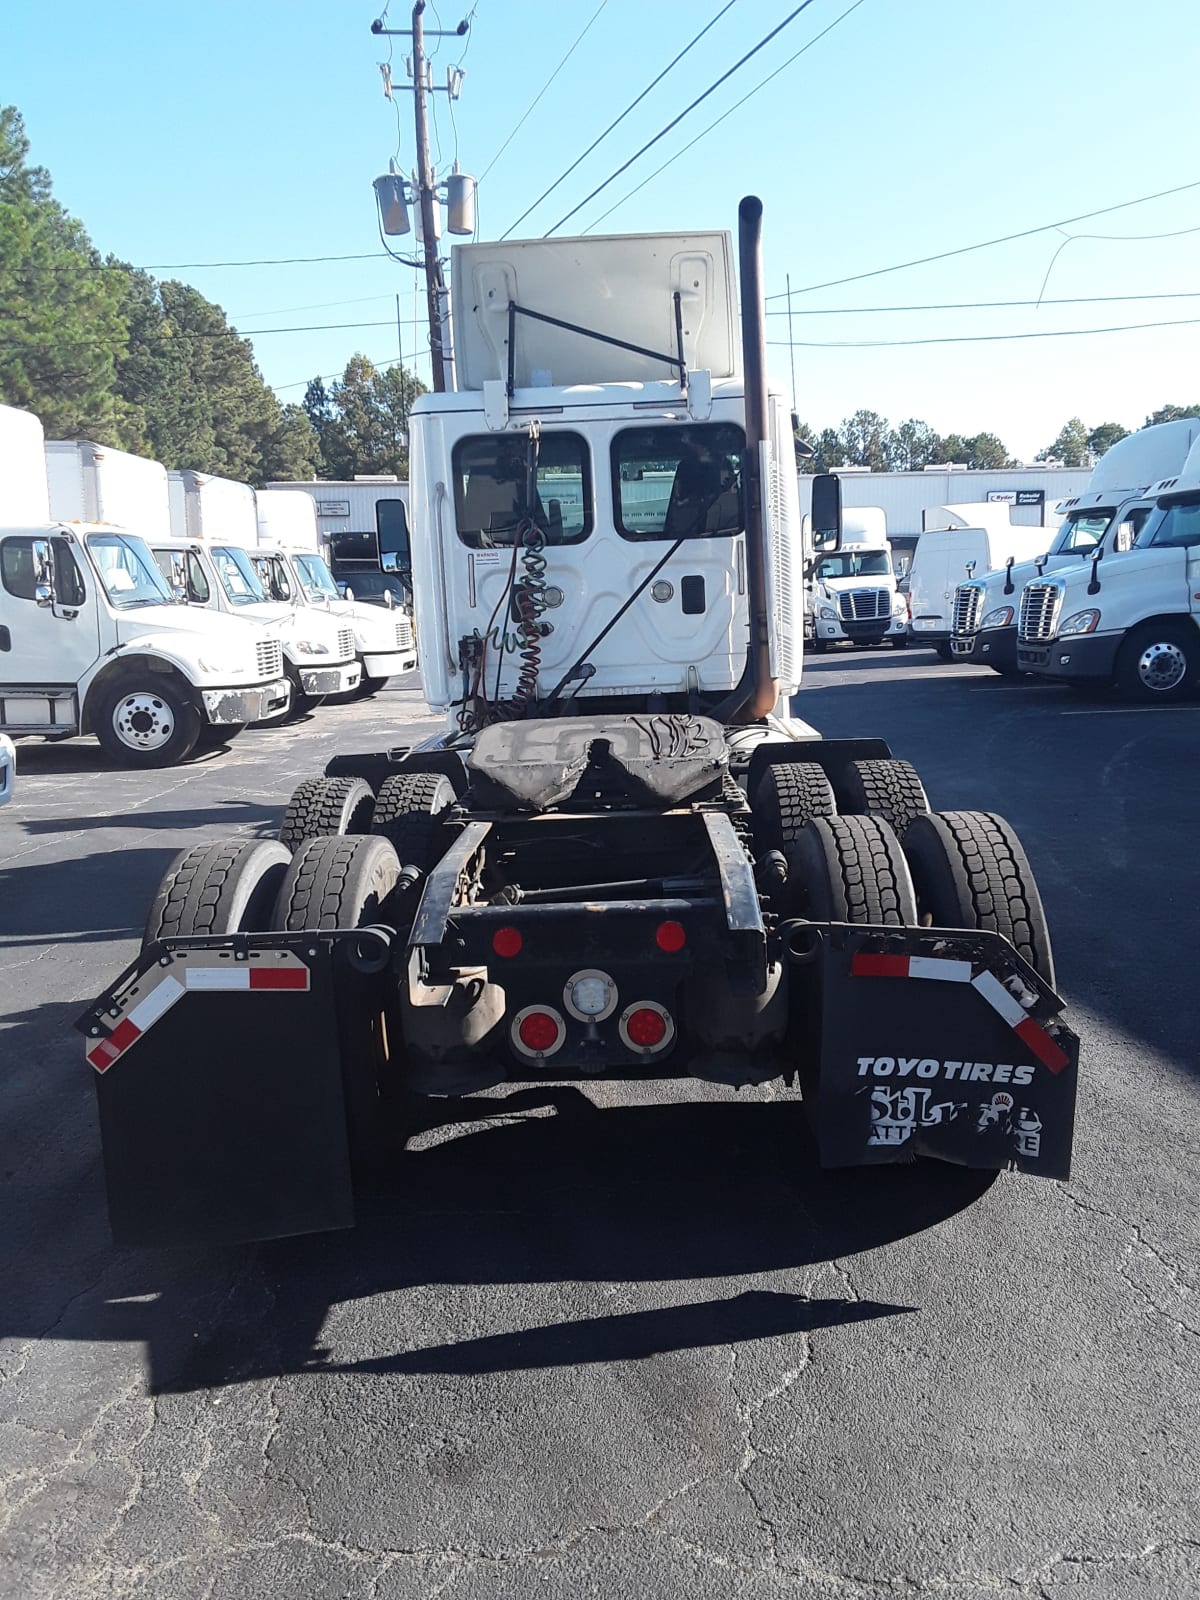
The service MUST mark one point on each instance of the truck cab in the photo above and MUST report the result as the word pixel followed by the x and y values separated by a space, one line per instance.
pixel 92 641
pixel 851 594
pixel 1116 504
pixel 318 652
pixel 1130 613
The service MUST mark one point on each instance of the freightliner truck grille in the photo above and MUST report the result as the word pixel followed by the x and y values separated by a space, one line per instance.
pixel 1039 611
pixel 968 600
pixel 269 658
pixel 345 643
pixel 864 605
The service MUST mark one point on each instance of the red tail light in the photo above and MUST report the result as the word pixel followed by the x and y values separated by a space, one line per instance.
pixel 669 936
pixel 507 941
pixel 538 1031
pixel 647 1026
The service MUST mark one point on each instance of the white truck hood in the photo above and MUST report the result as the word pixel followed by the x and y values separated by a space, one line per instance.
pixel 374 626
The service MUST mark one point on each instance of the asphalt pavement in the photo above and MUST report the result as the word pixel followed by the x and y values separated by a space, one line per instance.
pixel 626 1340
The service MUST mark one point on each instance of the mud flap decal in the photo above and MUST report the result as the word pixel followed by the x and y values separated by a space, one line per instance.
pixel 219 1080
pixel 945 1044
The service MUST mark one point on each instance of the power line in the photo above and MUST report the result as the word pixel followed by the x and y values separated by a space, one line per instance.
pixel 324 377
pixel 1109 238
pixel 630 107
pixel 986 244
pixel 662 133
pixel 976 338
pixel 282 261
pixel 982 305
pixel 722 117
pixel 542 91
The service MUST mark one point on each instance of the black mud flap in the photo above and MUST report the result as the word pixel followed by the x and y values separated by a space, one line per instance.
pixel 937 1043
pixel 219 1078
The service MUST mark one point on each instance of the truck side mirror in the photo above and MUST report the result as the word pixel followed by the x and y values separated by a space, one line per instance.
pixel 43 594
pixel 389 599
pixel 971 565
pixel 1009 585
pixel 1094 584
pixel 827 511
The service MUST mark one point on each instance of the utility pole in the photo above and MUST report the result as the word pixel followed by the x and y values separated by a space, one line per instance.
pixel 435 284
pixel 459 190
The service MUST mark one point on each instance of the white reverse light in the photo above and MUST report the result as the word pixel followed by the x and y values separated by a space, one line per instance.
pixel 590 995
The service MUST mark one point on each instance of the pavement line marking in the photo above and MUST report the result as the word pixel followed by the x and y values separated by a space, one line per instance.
pixel 1125 711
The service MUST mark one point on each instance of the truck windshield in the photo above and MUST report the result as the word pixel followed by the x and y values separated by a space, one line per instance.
pixel 678 482
pixel 1085 529
pixel 237 575
pixel 315 578
pixel 1180 525
pixel 128 571
pixel 854 564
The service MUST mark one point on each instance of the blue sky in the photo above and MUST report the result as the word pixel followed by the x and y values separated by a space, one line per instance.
pixel 228 132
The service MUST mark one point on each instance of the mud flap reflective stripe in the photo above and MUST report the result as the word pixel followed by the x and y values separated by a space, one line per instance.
pixel 146 1002
pixel 1012 1009
pixel 221 1095
pixel 971 1065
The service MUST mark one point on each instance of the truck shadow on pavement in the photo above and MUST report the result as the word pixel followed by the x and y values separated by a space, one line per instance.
pixel 228 813
pixel 674 1192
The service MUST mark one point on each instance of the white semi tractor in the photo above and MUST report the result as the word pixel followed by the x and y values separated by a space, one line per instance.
pixel 852 591
pixel 91 640
pixel 1114 507
pixel 1129 614
pixel 622 857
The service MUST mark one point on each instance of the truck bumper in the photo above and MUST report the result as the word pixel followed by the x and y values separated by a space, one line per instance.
pixel 1084 657
pixel 331 680
pixel 228 1070
pixel 995 648
pixel 389 666
pixel 259 704
pixel 862 633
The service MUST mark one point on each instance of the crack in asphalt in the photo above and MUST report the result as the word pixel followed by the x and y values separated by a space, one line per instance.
pixel 1138 1241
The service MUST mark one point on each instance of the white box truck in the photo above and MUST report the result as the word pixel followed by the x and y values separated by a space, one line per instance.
pixel 852 593
pixel 1118 495
pixel 292 567
pixel 90 639
pixel 1130 613
pixel 946 557
pixel 208 563
pixel 94 483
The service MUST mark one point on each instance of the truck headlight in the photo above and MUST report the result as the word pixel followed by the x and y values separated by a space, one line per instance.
pixel 1081 622
pixel 827 614
pixel 221 667
pixel 310 647
pixel 1000 618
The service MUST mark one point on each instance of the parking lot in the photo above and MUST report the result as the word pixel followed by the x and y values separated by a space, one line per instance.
pixel 620 1339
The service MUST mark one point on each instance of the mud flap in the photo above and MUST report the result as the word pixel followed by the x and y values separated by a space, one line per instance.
pixel 937 1043
pixel 219 1078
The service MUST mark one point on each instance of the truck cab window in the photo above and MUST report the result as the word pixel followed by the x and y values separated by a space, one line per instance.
pixel 24 564
pixel 678 482
pixel 315 578
pixel 489 489
pixel 238 577
pixel 197 587
pixel 1180 525
pixel 272 577
pixel 1087 529
pixel 127 571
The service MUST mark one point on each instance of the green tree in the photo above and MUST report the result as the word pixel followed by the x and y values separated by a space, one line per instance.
pixel 1071 446
pixel 1171 414
pixel 61 325
pixel 361 421
pixel 1105 436
pixel 912 446
pixel 985 452
pixel 293 451
pixel 864 438
pixel 830 450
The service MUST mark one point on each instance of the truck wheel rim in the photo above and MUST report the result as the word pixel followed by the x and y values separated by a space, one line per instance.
pixel 143 721
pixel 1162 666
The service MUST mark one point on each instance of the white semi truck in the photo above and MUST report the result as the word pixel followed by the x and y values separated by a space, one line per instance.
pixel 852 592
pixel 622 857
pixel 1118 497
pixel 207 560
pixel 90 639
pixel 1130 613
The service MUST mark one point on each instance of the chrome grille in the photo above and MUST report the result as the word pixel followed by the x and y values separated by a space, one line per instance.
pixel 864 605
pixel 968 602
pixel 345 643
pixel 1039 611
pixel 404 636
pixel 269 658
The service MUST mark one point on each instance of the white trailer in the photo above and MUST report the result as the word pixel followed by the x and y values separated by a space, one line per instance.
pixel 24 493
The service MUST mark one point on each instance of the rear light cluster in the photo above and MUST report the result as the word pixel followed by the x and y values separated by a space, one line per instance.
pixel 590 996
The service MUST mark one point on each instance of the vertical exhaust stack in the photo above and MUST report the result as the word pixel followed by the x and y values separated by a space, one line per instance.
pixel 762 691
